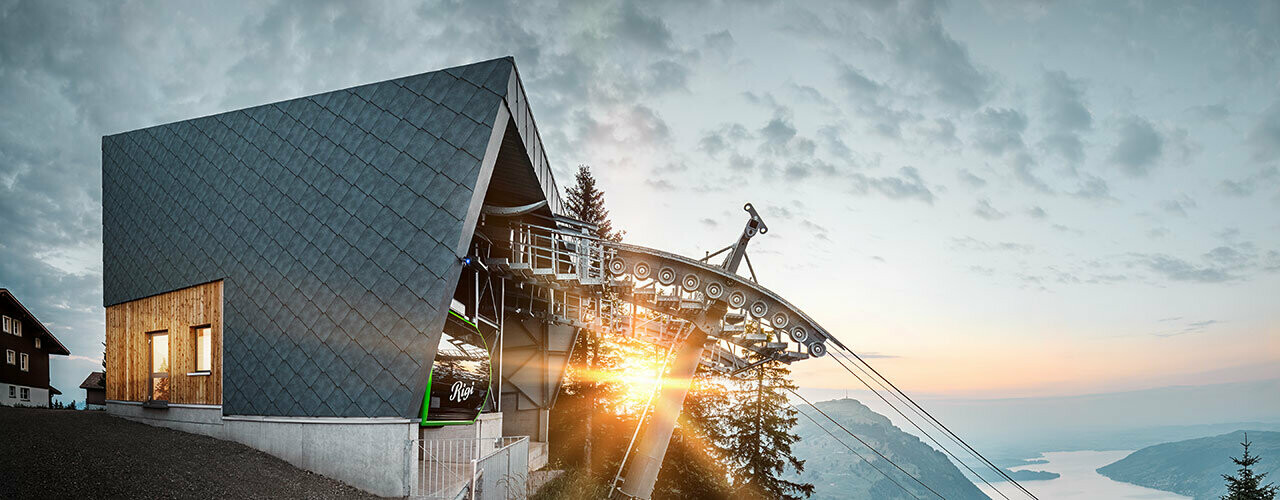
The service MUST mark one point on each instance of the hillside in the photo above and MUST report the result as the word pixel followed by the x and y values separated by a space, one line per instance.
pixel 837 473
pixel 1195 467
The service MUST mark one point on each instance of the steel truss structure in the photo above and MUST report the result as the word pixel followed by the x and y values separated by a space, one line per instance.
pixel 706 314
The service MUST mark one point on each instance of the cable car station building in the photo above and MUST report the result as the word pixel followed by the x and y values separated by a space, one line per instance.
pixel 348 279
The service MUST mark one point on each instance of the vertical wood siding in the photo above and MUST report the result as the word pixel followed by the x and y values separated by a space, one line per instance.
pixel 178 312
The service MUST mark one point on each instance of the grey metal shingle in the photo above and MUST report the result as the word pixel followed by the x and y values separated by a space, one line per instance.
pixel 298 207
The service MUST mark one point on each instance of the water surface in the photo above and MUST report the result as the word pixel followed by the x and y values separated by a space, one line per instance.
pixel 1080 479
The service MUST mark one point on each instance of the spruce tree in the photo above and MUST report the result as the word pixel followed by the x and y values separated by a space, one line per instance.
pixel 1246 485
pixel 585 202
pixel 759 439
pixel 592 354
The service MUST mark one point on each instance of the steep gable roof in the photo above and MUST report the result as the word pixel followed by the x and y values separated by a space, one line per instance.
pixel 31 320
pixel 337 222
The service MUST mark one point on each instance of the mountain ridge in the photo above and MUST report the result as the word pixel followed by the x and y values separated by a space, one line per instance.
pixel 837 473
pixel 1194 467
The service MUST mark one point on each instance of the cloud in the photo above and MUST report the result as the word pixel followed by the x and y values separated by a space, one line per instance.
pixel 1036 213
pixel 1093 188
pixel 1210 112
pixel 833 143
pixel 1264 137
pixel 999 130
pixel 660 184
pixel 939 131
pixel 908 185
pixel 971 243
pixel 726 137
pixel 967 177
pixel 720 43
pixel 1178 206
pixel 917 40
pixel 1224 263
pixel 1139 147
pixel 872 100
pixel 984 210
pixel 856 82
pixel 1190 327
pixel 1065 114
pixel 634 25
pixel 777 133
pixel 667 75
pixel 1247 185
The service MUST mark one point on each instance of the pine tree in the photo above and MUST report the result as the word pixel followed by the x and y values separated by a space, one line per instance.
pixel 759 441
pixel 1246 485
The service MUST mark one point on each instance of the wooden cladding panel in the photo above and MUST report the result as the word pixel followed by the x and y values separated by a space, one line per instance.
pixel 177 312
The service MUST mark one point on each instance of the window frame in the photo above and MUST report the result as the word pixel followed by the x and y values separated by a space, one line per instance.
pixel 13 392
pixel 8 322
pixel 25 365
pixel 37 339
pixel 24 394
pixel 195 339
pixel 16 326
pixel 10 357
pixel 152 374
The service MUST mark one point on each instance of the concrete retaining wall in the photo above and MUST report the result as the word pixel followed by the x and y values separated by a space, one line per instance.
pixel 372 454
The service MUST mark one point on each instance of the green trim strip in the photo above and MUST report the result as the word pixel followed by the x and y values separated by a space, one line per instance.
pixel 426 396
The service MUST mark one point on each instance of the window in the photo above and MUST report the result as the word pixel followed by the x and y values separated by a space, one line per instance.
pixel 159 345
pixel 9 356
pixel 37 342
pixel 204 348
pixel 13 392
pixel 26 394
pixel 25 363
pixel 17 327
pixel 7 322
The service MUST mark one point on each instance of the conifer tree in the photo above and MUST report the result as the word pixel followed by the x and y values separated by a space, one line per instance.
pixel 1246 485
pixel 585 202
pixel 592 354
pixel 759 439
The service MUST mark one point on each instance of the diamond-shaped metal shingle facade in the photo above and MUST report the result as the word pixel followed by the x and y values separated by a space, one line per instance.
pixel 334 221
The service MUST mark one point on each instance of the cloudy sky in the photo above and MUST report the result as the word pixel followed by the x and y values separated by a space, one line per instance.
pixel 996 198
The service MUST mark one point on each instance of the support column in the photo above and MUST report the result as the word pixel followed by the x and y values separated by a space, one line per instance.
pixel 651 446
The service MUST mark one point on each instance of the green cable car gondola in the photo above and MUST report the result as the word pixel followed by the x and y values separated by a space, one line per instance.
pixel 460 377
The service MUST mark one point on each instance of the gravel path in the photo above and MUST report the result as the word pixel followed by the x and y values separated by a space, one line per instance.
pixel 89 454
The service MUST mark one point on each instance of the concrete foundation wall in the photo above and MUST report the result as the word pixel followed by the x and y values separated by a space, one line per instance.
pixel 487 425
pixel 39 397
pixel 372 454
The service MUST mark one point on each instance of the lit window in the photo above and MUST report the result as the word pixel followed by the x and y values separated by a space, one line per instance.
pixel 159 342
pixel 37 342
pixel 7 323
pixel 26 394
pixel 204 348
pixel 25 363
pixel 9 356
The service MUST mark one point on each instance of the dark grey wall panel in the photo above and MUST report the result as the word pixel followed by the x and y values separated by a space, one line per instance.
pixel 332 218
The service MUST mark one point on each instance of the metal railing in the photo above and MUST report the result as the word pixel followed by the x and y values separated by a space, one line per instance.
pixel 470 468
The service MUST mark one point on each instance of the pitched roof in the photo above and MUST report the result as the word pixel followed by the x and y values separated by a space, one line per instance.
pixel 95 380
pixel 57 347
pixel 337 222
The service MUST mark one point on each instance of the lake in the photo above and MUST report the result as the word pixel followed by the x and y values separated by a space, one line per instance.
pixel 1080 479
